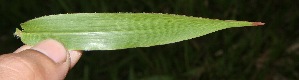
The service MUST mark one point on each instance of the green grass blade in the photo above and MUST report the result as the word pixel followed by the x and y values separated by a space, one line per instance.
pixel 111 31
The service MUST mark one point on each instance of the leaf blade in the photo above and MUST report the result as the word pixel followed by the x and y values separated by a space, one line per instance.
pixel 110 31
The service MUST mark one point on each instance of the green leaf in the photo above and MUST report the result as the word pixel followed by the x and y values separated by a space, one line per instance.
pixel 110 31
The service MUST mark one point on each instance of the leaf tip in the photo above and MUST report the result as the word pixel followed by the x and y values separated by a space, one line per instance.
pixel 18 32
pixel 257 23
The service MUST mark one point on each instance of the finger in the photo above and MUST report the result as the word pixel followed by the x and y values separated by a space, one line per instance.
pixel 52 49
pixel 22 48
pixel 57 53
pixel 26 65
pixel 44 61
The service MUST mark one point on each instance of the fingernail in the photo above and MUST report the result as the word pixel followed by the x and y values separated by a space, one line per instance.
pixel 52 49
pixel 75 56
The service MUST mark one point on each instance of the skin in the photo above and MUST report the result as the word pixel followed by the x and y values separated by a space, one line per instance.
pixel 48 60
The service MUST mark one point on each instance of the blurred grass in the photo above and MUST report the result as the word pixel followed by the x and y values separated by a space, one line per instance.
pixel 270 52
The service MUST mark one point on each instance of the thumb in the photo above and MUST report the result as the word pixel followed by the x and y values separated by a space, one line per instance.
pixel 48 60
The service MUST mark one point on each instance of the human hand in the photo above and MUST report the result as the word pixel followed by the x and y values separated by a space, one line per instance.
pixel 48 60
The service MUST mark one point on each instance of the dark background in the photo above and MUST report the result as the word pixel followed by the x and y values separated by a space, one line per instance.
pixel 269 52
